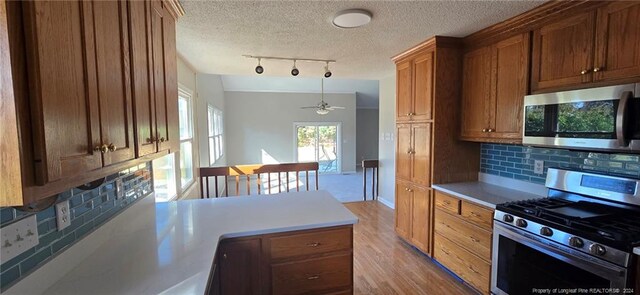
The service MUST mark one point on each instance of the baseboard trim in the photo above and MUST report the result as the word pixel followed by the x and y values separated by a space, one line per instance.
pixel 386 202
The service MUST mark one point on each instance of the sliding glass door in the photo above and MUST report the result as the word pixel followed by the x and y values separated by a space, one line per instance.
pixel 319 142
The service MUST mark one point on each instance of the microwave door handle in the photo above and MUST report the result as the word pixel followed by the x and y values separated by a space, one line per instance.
pixel 620 119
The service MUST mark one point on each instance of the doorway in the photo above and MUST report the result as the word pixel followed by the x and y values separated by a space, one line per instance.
pixel 319 142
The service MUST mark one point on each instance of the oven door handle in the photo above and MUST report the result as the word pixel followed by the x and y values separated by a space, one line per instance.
pixel 621 126
pixel 614 273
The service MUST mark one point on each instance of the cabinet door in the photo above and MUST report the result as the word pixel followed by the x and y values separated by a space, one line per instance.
pixel 171 133
pixel 421 153
pixel 403 151
pixel 423 87
pixel 63 92
pixel 510 67
pixel 141 74
pixel 157 54
pixel 113 77
pixel 563 52
pixel 421 219
pixel 404 203
pixel 240 267
pixel 618 41
pixel 404 89
pixel 476 93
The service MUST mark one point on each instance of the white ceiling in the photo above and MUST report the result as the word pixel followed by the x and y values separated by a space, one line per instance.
pixel 213 35
pixel 367 91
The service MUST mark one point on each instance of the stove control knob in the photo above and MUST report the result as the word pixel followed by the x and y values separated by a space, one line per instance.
pixel 521 223
pixel 597 249
pixel 576 242
pixel 545 231
pixel 507 218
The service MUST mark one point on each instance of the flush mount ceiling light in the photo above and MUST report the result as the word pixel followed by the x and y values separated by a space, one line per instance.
pixel 352 18
pixel 294 71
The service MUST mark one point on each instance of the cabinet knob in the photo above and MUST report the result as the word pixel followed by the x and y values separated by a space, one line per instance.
pixel 162 139
pixel 408 114
pixel 490 130
pixel 484 130
pixel 409 190
pixel 584 72
pixel 101 148
pixel 595 70
pixel 112 147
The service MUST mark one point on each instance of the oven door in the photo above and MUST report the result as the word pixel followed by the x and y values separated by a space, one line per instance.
pixel 527 264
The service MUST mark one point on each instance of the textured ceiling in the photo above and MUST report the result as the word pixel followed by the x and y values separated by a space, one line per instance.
pixel 213 35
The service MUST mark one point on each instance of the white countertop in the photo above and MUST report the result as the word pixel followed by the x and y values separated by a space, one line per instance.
pixel 485 194
pixel 168 248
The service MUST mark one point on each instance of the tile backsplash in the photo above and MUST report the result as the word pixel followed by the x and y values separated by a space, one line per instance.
pixel 89 210
pixel 516 161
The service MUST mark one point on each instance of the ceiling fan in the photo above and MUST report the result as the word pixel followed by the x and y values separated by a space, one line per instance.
pixel 323 108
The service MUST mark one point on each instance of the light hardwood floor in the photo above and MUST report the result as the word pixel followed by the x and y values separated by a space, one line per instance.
pixel 384 264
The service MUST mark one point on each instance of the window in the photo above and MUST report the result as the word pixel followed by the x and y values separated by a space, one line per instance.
pixel 186 137
pixel 164 178
pixel 215 134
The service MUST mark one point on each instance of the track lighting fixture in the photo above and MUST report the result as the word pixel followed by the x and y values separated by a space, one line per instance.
pixel 327 73
pixel 294 70
pixel 259 68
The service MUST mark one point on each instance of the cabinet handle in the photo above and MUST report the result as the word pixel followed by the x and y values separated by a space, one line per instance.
pixel 162 139
pixel 445 251
pixel 474 214
pixel 474 239
pixel 595 70
pixel 315 244
pixel 584 72
pixel 473 270
pixel 314 277
pixel 101 148
pixel 446 202
pixel 112 147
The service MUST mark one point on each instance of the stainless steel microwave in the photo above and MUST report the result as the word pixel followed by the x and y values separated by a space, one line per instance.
pixel 605 118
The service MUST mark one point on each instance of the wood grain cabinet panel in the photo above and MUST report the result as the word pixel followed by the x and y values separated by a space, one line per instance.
pixel 421 154
pixel 563 52
pixel 495 82
pixel 465 234
pixel 312 276
pixel 423 87
pixel 404 209
pixel 159 90
pixel 476 92
pixel 404 147
pixel 470 268
pixel 310 243
pixel 240 266
pixel 477 215
pixel 421 219
pixel 404 91
pixel 617 41
pixel 447 203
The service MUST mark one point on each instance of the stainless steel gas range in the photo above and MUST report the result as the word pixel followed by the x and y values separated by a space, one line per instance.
pixel 577 240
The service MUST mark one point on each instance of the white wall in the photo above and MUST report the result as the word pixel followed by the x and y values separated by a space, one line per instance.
pixel 210 92
pixel 387 144
pixel 259 125
pixel 366 134
pixel 187 79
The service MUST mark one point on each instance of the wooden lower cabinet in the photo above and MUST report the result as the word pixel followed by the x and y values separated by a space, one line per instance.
pixel 413 214
pixel 318 261
pixel 463 239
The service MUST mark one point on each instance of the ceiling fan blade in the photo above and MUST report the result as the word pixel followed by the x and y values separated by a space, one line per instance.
pixel 314 107
pixel 335 108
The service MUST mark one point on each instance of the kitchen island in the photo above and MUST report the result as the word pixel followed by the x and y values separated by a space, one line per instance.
pixel 156 248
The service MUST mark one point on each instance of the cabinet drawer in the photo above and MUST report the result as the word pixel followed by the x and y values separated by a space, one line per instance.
pixel 447 203
pixel 310 243
pixel 469 236
pixel 313 276
pixel 470 268
pixel 477 215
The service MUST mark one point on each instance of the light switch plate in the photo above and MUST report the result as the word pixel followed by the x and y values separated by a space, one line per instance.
pixel 119 189
pixel 63 215
pixel 18 237
pixel 538 167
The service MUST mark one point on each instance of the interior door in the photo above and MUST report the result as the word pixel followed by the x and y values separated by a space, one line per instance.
pixel 403 151
pixel 404 205
pixel 114 84
pixel 62 77
pixel 404 99
pixel 421 153
pixel 421 219
pixel 476 93
pixel 618 41
pixel 319 142
pixel 423 87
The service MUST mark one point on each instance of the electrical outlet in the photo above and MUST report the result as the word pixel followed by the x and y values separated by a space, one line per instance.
pixel 63 215
pixel 18 237
pixel 119 189
pixel 538 167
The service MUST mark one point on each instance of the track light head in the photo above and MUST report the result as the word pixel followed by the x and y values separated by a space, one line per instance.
pixel 259 68
pixel 294 70
pixel 327 73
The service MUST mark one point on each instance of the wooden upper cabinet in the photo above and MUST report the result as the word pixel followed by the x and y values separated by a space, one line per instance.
pixel 63 94
pixel 404 91
pixel 403 212
pixel 139 36
pixel 422 87
pixel 157 53
pixel 172 136
pixel 476 93
pixel 421 154
pixel 403 151
pixel 510 79
pixel 563 52
pixel 617 41
pixel 113 78
pixel 421 219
